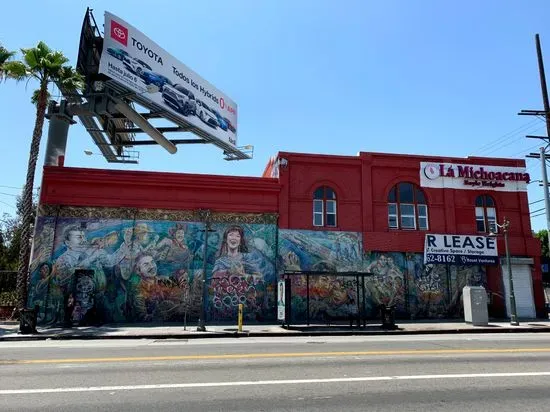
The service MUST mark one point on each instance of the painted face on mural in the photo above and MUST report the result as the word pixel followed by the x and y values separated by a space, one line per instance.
pixel 233 241
pixel 180 235
pixel 44 271
pixel 85 285
pixel 75 239
pixel 146 267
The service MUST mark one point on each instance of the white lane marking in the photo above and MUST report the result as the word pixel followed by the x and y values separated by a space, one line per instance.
pixel 140 342
pixel 269 382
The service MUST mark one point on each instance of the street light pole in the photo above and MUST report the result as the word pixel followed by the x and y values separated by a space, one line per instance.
pixel 513 314
pixel 202 319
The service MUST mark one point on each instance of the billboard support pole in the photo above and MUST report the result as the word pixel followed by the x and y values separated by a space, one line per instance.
pixel 58 131
pixel 139 120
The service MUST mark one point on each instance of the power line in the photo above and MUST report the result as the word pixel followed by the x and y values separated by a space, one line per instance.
pixel 514 141
pixel 7 204
pixel 538 210
pixel 536 201
pixel 503 137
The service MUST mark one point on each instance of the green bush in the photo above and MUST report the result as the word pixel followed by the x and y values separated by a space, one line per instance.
pixel 8 298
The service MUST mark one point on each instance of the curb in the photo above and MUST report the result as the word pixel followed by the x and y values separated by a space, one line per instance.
pixel 292 333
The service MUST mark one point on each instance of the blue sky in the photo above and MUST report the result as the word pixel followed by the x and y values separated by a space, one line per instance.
pixel 420 77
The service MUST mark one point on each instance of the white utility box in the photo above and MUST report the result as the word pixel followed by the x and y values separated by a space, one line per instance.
pixel 475 305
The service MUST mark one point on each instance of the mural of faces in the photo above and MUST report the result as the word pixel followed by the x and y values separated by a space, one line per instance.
pixel 153 270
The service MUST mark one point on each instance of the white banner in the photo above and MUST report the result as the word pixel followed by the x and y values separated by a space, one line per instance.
pixel 473 177
pixel 460 249
pixel 138 63
pixel 281 300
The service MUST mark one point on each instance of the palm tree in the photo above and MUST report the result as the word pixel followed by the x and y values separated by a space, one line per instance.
pixel 46 66
pixel 5 55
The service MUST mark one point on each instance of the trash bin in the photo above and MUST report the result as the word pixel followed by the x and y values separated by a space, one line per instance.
pixel 387 314
pixel 27 320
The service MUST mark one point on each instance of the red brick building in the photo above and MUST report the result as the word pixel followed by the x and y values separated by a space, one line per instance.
pixel 391 200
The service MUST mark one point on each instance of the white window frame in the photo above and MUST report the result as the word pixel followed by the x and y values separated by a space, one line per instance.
pixel 394 215
pixel 331 201
pixel 425 206
pixel 321 213
pixel 402 216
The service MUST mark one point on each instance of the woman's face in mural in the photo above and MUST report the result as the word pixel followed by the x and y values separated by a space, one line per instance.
pixel 233 240
pixel 147 267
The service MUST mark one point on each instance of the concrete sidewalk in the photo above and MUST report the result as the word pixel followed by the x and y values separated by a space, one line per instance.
pixel 9 330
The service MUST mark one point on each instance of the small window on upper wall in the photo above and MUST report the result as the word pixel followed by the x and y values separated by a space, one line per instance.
pixel 324 207
pixel 486 214
pixel 407 208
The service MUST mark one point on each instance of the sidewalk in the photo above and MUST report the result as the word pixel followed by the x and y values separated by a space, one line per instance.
pixel 9 330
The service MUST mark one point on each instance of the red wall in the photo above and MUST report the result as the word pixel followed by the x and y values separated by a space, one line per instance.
pixel 179 191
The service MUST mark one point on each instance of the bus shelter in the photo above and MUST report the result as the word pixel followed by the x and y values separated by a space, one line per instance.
pixel 325 296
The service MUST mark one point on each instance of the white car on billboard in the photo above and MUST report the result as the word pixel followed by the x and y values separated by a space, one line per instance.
pixel 206 114
pixel 179 98
pixel 136 66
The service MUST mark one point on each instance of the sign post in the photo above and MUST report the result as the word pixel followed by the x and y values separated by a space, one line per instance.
pixel 240 318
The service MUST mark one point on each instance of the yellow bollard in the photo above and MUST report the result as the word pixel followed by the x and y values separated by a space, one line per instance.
pixel 240 318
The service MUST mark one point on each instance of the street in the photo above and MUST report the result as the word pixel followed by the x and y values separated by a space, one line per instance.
pixel 487 372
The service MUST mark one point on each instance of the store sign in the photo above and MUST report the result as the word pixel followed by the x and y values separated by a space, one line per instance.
pixel 139 64
pixel 460 250
pixel 473 177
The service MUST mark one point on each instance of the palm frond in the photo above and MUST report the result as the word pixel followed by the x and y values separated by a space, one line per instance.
pixel 69 80
pixel 15 70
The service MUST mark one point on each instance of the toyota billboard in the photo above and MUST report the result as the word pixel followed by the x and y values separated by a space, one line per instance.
pixel 139 64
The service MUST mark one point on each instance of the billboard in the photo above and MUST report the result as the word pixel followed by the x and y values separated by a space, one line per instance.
pixel 460 250
pixel 473 177
pixel 139 64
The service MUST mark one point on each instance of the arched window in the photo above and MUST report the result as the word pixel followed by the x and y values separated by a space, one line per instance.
pixel 486 214
pixel 407 208
pixel 324 207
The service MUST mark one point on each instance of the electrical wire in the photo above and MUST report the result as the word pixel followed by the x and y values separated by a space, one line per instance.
pixel 506 136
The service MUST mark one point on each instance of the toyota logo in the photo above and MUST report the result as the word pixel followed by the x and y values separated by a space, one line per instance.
pixel 431 171
pixel 119 33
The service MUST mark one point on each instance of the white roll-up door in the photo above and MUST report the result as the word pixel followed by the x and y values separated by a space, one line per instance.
pixel 523 290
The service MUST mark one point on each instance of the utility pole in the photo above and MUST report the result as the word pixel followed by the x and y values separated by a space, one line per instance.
pixel 546 114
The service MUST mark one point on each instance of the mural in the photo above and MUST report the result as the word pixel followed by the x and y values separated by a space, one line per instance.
pixel 330 296
pixel 244 273
pixel 143 270
pixel 393 279
pixel 120 270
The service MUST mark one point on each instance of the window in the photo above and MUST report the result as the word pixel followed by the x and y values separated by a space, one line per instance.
pixel 486 214
pixel 324 207
pixel 407 208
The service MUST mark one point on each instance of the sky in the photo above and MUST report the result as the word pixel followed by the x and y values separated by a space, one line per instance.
pixel 425 77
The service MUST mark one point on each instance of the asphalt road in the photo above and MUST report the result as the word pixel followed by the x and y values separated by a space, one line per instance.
pixel 491 372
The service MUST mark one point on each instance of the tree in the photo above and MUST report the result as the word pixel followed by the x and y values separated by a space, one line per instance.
pixel 5 55
pixel 542 235
pixel 10 236
pixel 46 66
